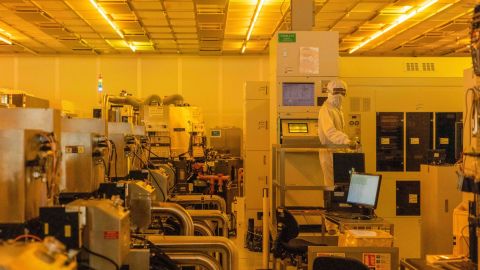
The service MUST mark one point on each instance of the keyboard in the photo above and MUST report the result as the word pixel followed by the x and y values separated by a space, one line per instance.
pixel 348 215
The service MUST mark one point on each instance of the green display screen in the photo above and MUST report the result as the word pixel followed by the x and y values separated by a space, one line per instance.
pixel 297 127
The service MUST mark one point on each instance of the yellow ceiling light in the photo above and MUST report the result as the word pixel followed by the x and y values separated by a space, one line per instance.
pixel 9 42
pixel 4 38
pixel 400 20
pixel 104 15
pixel 132 47
pixel 252 23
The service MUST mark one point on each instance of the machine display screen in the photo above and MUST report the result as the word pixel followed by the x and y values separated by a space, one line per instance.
pixel 364 189
pixel 298 94
pixel 297 128
pixel 216 133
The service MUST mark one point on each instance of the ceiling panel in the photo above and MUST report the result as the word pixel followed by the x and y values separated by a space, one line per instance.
pixel 209 27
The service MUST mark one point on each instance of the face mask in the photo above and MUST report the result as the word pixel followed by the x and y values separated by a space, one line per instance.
pixel 335 100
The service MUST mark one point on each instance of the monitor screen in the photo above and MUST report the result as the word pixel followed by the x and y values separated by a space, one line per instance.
pixel 364 190
pixel 298 94
pixel 343 164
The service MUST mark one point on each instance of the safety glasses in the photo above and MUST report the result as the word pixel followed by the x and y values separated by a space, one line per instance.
pixel 339 91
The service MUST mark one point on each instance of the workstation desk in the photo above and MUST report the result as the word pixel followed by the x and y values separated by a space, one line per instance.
pixel 377 258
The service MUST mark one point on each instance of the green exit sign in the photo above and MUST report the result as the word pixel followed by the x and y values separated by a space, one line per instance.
pixel 287 37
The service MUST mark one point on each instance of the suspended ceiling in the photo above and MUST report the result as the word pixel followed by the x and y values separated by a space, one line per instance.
pixel 219 27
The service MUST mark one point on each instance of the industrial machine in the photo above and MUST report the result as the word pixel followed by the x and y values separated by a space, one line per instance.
pixel 305 62
pixel 18 99
pixel 84 155
pixel 93 185
pixel 468 175
pixel 226 140
pixel 30 161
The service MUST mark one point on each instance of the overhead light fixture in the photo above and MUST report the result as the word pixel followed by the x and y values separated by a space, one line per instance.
pixel 252 23
pixel 104 15
pixel 4 38
pixel 132 47
pixel 400 20
pixel 9 42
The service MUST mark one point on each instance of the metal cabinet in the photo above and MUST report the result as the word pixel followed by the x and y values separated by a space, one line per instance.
pixel 445 123
pixel 256 144
pixel 439 197
pixel 256 124
pixel 419 138
pixel 390 153
pixel 256 168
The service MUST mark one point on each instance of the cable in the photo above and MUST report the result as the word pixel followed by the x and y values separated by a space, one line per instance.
pixel 26 236
pixel 150 152
pixel 101 256
pixel 114 150
pixel 153 176
pixel 104 164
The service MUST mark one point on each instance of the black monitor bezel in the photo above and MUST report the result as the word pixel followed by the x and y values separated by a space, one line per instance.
pixel 339 158
pixel 376 196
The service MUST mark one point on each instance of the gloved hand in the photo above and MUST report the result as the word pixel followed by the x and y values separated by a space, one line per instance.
pixel 353 145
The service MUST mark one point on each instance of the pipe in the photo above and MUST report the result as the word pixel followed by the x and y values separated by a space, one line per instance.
pixel 173 99
pixel 195 259
pixel 214 215
pixel 199 199
pixel 202 228
pixel 177 211
pixel 153 100
pixel 135 102
pixel 207 244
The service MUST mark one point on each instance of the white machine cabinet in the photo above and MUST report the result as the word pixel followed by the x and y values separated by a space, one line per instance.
pixel 256 144
pixel 438 198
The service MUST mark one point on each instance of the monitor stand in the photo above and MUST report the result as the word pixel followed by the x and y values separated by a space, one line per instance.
pixel 369 212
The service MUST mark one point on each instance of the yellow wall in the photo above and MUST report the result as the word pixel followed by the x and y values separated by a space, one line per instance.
pixel 215 84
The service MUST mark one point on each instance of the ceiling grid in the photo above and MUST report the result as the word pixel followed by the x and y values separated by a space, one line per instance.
pixel 219 27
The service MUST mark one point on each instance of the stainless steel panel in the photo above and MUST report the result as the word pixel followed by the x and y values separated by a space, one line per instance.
pixel 139 130
pixel 24 189
pixel 119 163
pixel 107 231
pixel 116 133
pixel 178 124
pixel 229 142
pixel 21 193
pixel 120 128
pixel 27 101
pixel 80 173
pixel 83 125
pixel 139 201
pixel 154 118
pixel 12 176
pixel 48 120
pixel 138 259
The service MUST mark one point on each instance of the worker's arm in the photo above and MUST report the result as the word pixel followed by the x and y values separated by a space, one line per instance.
pixel 334 135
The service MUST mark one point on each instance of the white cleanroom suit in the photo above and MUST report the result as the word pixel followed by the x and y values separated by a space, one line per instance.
pixel 331 127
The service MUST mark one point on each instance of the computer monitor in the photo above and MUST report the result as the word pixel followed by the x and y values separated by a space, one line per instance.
pixel 343 164
pixel 364 190
pixel 298 94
